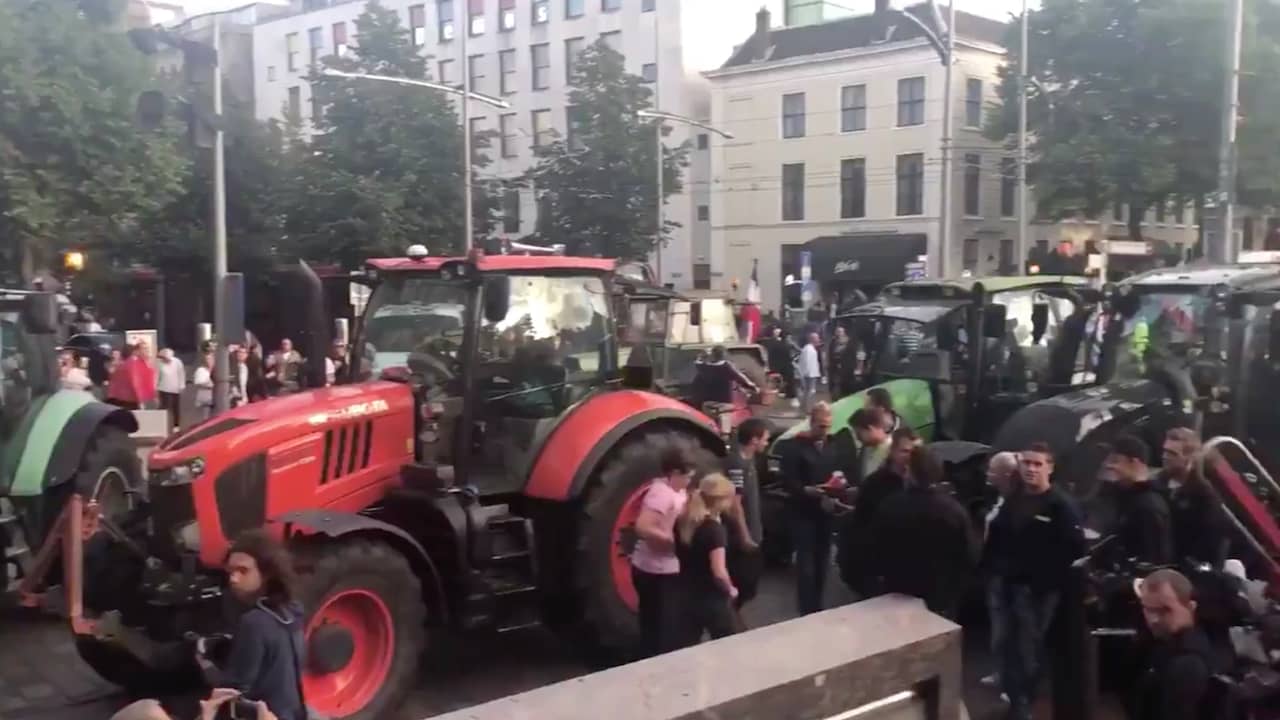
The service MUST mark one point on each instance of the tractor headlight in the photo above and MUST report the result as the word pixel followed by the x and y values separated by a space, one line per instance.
pixel 181 474
pixel 187 537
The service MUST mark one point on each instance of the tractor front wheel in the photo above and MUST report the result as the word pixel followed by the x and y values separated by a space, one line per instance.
pixel 365 630
pixel 110 473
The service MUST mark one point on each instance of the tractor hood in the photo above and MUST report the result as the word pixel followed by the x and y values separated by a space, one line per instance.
pixel 1065 420
pixel 263 425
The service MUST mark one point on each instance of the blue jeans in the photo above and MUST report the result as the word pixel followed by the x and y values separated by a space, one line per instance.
pixel 995 613
pixel 1026 619
pixel 811 537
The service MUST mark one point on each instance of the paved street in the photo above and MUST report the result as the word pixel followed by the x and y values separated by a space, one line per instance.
pixel 42 679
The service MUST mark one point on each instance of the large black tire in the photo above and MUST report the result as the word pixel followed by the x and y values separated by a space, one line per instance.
pixel 118 667
pixel 376 568
pixel 111 473
pixel 612 626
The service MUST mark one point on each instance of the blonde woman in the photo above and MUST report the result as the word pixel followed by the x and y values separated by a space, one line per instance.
pixel 701 539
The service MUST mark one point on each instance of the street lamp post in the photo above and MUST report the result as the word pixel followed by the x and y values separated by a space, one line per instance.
pixel 1024 218
pixel 1224 249
pixel 659 118
pixel 221 358
pixel 464 92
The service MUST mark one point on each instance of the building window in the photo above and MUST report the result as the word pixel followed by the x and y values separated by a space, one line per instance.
pixel 971 249
pixel 973 103
pixel 507 68
pixel 910 101
pixel 511 211
pixel 291 51
pixel 1008 187
pixel 793 115
pixel 613 40
pixel 295 103
pixel 446 72
pixel 541 55
pixel 701 276
pixel 507 127
pixel 647 5
pixel 973 185
pixel 506 15
pixel 315 44
pixel 649 72
pixel 704 213
pixel 1117 212
pixel 475 70
pixel 573 120
pixel 853 108
pixel 1006 256
pixel 574 8
pixel 703 141
pixel 853 188
pixel 1160 211
pixel 418 24
pixel 545 219
pixel 1179 211
pixel 541 11
pixel 542 130
pixel 476 127
pixel 610 5
pixel 475 17
pixel 340 39
pixel 793 191
pixel 445 15
pixel 572 49
pixel 271 73
pixel 911 184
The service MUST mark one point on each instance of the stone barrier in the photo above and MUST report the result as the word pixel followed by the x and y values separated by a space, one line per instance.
pixel 887 658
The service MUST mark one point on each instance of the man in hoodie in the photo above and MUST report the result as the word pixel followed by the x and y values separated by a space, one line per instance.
pixel 265 662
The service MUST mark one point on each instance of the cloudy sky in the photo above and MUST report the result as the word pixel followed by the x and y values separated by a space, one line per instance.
pixel 713 27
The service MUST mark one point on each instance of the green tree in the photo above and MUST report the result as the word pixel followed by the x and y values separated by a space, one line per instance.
pixel 1124 105
pixel 75 170
pixel 384 169
pixel 596 187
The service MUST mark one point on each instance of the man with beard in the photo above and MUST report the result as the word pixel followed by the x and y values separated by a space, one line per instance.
pixel 1200 530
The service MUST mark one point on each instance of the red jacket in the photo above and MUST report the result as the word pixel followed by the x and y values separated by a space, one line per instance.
pixel 134 381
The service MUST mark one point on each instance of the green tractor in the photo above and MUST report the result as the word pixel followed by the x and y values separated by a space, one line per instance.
pixel 51 440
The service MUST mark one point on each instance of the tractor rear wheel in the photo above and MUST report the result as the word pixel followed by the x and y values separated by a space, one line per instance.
pixel 607 535
pixel 365 629
pixel 110 473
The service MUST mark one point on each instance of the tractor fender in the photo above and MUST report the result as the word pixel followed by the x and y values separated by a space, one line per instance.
pixel 956 452
pixel 339 524
pixel 58 437
pixel 584 437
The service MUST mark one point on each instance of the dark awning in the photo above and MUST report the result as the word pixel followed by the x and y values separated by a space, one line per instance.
pixel 861 260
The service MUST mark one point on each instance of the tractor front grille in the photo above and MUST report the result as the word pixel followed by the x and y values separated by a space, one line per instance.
pixel 172 508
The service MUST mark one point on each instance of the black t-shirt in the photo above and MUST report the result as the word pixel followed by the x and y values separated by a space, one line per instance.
pixel 695 556
pixel 742 473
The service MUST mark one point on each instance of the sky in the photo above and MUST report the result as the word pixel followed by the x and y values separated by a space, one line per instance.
pixel 714 27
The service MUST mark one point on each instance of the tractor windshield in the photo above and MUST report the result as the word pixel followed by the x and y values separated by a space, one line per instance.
pixel 891 337
pixel 1170 324
pixel 560 318
pixel 408 314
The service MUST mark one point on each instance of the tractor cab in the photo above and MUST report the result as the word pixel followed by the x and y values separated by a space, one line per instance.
pixel 28 329
pixel 495 347
pixel 960 350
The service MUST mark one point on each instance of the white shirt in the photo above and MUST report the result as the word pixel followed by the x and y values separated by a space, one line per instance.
pixel 203 380
pixel 330 371
pixel 809 367
pixel 76 379
pixel 171 376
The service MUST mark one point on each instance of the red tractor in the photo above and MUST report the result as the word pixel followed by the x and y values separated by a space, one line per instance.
pixel 486 479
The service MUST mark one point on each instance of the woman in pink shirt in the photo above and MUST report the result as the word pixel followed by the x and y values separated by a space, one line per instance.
pixel 655 570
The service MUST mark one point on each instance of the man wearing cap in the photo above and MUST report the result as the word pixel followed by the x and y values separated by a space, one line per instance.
pixel 1145 532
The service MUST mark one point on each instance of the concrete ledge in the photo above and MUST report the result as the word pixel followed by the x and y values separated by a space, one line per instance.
pixel 818 666
pixel 153 428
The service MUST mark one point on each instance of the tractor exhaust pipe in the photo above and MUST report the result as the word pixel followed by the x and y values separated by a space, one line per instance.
pixel 308 328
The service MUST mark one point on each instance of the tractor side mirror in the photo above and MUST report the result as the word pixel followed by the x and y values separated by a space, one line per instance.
pixel 1039 321
pixel 40 313
pixel 497 297
pixel 993 320
pixel 1273 337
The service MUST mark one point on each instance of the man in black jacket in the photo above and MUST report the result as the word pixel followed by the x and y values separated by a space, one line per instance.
pixel 1031 545
pixel 856 539
pixel 1200 529
pixel 1146 527
pixel 1177 683
pixel 808 461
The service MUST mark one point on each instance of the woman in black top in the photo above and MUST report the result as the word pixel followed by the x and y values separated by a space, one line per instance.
pixel 701 539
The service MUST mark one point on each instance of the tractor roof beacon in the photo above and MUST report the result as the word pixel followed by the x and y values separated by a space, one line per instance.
pixel 482 472
pixel 51 440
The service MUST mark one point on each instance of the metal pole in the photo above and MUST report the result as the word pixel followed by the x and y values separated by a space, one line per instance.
pixel 660 152
pixel 220 399
pixel 1223 249
pixel 468 232
pixel 944 222
pixel 1024 218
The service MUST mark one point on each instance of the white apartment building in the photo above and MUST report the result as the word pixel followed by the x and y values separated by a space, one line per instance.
pixel 837 149
pixel 521 51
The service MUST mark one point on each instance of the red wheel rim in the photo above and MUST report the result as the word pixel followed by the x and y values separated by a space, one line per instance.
pixel 621 540
pixel 351 688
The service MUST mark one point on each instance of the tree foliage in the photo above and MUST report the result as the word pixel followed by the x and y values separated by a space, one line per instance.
pixel 597 186
pixel 384 169
pixel 75 171
pixel 1124 105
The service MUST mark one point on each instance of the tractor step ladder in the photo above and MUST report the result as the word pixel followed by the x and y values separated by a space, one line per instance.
pixel 505 555
pixel 1248 498
pixel 17 554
